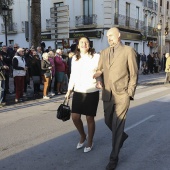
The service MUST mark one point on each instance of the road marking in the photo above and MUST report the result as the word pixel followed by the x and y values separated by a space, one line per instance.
pixel 164 98
pixel 138 123
pixel 140 87
pixel 150 92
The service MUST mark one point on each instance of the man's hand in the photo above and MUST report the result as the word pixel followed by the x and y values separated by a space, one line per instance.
pixel 6 67
pixel 99 85
pixel 97 74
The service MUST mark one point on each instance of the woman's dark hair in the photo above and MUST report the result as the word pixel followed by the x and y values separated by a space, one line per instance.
pixel 77 51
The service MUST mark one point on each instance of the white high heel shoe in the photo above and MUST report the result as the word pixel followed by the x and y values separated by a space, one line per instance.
pixel 80 145
pixel 88 149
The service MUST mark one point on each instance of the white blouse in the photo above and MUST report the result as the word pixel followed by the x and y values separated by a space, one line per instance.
pixel 82 71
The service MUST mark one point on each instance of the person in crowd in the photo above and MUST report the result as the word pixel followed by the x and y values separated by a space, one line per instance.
pixel 59 71
pixel 3 67
pixel 28 57
pixel 150 61
pixel 119 69
pixel 143 60
pixel 86 95
pixel 65 80
pixel 19 73
pixel 15 47
pixel 35 67
pixel 51 56
pixel 46 74
pixel 156 63
pixel 8 61
pixel 138 60
pixel 70 55
pixel 167 68
pixel 48 49
pixel 39 52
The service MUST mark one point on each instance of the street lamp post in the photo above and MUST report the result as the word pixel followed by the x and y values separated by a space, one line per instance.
pixel 5 13
pixel 159 27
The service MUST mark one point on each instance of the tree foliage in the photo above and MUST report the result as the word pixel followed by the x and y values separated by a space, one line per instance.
pixel 5 3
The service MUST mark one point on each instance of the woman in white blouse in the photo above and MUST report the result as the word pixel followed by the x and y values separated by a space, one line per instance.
pixel 86 95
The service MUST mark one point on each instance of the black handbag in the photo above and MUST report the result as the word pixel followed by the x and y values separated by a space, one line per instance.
pixel 64 111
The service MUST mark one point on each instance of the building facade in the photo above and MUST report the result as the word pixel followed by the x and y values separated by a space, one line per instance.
pixel 63 22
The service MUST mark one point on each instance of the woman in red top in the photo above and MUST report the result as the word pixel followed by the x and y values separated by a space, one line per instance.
pixel 60 70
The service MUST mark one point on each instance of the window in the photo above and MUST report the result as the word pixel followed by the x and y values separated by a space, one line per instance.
pixel 160 2
pixel 11 42
pixel 117 6
pixel 116 12
pixel 136 46
pixel 137 17
pixel 167 11
pixel 127 43
pixel 58 4
pixel 88 7
pixel 127 14
pixel 88 12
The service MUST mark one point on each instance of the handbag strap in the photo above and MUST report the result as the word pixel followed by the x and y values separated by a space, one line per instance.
pixel 65 101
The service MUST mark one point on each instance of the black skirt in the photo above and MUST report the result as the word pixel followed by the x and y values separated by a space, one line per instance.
pixel 85 103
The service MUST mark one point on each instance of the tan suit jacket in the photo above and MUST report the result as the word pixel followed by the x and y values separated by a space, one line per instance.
pixel 120 74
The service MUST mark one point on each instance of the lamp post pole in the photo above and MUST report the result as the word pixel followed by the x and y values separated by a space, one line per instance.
pixel 6 42
pixel 5 13
pixel 159 26
pixel 29 24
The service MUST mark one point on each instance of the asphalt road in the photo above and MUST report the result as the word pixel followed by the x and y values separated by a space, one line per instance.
pixel 33 139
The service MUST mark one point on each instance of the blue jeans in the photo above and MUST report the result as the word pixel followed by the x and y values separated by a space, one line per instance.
pixel 2 87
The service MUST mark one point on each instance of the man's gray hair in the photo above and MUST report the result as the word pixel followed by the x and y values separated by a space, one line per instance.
pixel 19 49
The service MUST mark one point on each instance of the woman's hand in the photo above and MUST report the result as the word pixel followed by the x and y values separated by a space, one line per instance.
pixel 97 74
pixel 99 85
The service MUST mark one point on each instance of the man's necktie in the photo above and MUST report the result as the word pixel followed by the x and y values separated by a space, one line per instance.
pixel 111 56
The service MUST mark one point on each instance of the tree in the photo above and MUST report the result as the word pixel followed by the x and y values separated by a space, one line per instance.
pixel 5 3
pixel 36 22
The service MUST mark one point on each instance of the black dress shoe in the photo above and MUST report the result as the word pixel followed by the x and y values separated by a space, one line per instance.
pixel 124 137
pixel 112 165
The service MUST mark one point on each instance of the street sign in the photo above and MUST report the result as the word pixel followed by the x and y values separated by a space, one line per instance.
pixel 60 22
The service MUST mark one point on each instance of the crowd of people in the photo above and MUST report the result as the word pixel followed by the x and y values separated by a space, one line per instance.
pixel 49 68
pixel 151 63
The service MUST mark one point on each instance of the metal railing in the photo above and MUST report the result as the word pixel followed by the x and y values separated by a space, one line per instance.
pixel 84 20
pixel 150 4
pixel 11 28
pixel 128 22
pixel 150 31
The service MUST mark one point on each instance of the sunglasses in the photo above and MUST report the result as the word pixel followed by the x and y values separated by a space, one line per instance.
pixel 15 47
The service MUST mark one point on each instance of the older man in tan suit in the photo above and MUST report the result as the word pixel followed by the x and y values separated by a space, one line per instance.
pixel 118 67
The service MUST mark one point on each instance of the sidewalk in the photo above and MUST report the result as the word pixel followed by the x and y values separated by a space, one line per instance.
pixel 152 79
pixel 149 79
pixel 10 98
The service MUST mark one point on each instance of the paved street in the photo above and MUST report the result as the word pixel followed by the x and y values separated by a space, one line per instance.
pixel 33 139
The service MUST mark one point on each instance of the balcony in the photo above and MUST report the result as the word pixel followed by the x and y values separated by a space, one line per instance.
pixel 149 31
pixel 128 22
pixel 150 4
pixel 11 28
pixel 84 21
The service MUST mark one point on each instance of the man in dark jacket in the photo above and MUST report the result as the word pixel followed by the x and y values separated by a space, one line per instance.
pixel 8 61
pixel 3 67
